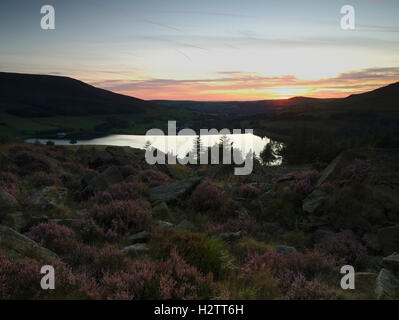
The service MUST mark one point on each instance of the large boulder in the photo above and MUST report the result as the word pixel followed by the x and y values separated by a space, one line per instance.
pixel 102 181
pixel 140 237
pixel 7 204
pixel 48 197
pixel 387 285
pixel 16 246
pixel 136 249
pixel 171 192
pixel 392 262
pixel 389 239
pixel 313 201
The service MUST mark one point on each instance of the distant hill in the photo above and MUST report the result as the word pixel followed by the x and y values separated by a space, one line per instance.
pixel 28 95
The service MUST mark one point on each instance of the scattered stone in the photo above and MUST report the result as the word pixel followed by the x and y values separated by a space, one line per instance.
pixel 136 249
pixel 391 262
pixel 109 176
pixel 48 197
pixel 371 241
pixel 163 224
pixel 242 213
pixel 285 249
pixel 140 237
pixel 186 225
pixel 231 236
pixel 16 221
pixel 389 239
pixel 387 285
pixel 313 201
pixel 16 246
pixel 171 192
pixel 7 204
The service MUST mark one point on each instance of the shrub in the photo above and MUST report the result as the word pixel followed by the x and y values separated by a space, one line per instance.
pixel 29 162
pixel 57 238
pixel 344 246
pixel 196 249
pixel 44 179
pixel 128 170
pixel 248 191
pixel 21 280
pixel 301 289
pixel 207 196
pixel 171 278
pixel 121 191
pixel 9 183
pixel 89 231
pixel 154 178
pixel 122 217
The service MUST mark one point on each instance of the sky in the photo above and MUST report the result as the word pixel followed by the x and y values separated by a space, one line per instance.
pixel 209 49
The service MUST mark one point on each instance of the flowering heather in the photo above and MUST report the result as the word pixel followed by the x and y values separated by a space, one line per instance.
pixel 122 217
pixel 248 191
pixel 76 167
pixel 29 162
pixel 9 183
pixel 57 238
pixel 154 178
pixel 89 231
pixel 286 268
pixel 21 280
pixel 358 170
pixel 207 196
pixel 121 191
pixel 44 179
pixel 172 278
pixel 302 289
pixel 343 246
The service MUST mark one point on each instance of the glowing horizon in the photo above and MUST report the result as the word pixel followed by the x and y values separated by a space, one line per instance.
pixel 208 50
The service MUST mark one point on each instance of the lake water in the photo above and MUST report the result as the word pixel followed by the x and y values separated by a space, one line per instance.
pixel 181 145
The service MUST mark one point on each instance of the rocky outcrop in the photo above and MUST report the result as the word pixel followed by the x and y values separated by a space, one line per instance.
pixel 285 249
pixel 48 197
pixel 136 249
pixel 139 237
pixel 313 201
pixel 100 182
pixel 387 285
pixel 391 262
pixel 389 239
pixel 171 192
pixel 7 204
pixel 16 246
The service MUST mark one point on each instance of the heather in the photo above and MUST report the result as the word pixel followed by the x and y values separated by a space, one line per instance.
pixel 115 228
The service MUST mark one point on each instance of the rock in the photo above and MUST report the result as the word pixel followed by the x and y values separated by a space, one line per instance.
pixel 140 237
pixel 387 285
pixel 136 249
pixel 171 192
pixel 391 262
pixel 186 225
pixel 230 236
pixel 16 246
pixel 7 204
pixel 106 178
pixel 163 224
pixel 16 221
pixel 389 239
pixel 48 197
pixel 242 213
pixel 285 249
pixel 371 241
pixel 314 201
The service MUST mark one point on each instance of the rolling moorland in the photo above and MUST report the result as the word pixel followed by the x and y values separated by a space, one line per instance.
pixel 115 227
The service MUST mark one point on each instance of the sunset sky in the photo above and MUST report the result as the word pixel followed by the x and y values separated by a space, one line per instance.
pixel 207 49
